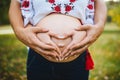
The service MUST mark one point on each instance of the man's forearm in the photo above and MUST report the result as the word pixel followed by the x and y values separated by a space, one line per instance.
pixel 100 12
pixel 15 16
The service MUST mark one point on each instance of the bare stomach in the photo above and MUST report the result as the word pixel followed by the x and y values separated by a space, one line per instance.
pixel 60 25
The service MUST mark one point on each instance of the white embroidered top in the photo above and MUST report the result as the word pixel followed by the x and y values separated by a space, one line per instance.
pixel 34 10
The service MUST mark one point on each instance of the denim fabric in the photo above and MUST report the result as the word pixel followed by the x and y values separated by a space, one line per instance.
pixel 38 68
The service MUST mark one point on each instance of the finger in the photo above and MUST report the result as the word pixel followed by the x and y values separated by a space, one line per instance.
pixel 65 52
pixel 35 41
pixel 44 52
pixel 81 44
pixel 57 56
pixel 47 47
pixel 79 51
pixel 53 44
pixel 39 30
pixel 52 34
pixel 67 49
pixel 67 55
pixel 51 54
pixel 67 35
pixel 83 27
pixel 61 36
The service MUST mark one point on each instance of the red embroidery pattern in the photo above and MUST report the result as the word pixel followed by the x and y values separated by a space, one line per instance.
pixel 72 1
pixel 90 6
pixel 51 1
pixel 68 8
pixel 57 7
pixel 92 0
pixel 25 3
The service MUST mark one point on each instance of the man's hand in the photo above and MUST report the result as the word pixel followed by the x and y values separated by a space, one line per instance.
pixel 93 32
pixel 28 36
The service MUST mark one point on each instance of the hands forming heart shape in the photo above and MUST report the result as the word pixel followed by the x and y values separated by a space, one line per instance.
pixel 61 33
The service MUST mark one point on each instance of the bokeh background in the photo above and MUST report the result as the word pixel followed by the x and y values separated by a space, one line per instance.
pixel 105 51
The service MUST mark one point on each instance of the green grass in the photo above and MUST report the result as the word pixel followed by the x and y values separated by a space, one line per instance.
pixel 105 52
pixel 111 26
pixel 6 29
pixel 12 58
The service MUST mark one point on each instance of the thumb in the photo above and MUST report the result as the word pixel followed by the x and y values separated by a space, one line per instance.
pixel 39 30
pixel 83 28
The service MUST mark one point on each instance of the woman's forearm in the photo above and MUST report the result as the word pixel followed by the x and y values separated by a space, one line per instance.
pixel 15 16
pixel 28 35
pixel 100 12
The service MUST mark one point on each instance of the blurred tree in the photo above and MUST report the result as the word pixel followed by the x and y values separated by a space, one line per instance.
pixel 114 12
pixel 4 6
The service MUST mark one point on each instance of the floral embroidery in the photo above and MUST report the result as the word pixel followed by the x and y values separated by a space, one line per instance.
pixel 68 8
pixel 92 0
pixel 90 12
pixel 51 1
pixel 72 1
pixel 25 3
pixel 57 7
pixel 90 6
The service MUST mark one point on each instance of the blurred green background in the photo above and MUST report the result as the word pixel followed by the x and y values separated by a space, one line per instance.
pixel 105 51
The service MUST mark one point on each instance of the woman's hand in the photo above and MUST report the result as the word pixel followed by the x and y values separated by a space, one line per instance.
pixel 93 32
pixel 28 36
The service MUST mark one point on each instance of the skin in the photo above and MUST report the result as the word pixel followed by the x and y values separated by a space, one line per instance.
pixel 93 31
pixel 56 27
pixel 28 35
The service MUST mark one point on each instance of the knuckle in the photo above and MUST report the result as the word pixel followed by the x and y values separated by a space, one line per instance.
pixel 90 41
pixel 32 42
pixel 77 46
pixel 47 53
pixel 74 43
pixel 77 51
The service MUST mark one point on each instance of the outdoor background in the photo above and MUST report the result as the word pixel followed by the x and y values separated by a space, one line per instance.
pixel 105 51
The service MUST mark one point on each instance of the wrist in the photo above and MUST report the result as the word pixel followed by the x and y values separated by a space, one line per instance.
pixel 99 27
pixel 19 32
pixel 100 23
pixel 20 29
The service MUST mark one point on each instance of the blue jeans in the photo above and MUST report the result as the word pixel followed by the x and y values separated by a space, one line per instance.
pixel 38 68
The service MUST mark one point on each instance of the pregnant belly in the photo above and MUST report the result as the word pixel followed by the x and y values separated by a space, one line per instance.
pixel 60 25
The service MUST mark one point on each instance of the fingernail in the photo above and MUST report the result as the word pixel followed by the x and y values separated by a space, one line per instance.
pixel 72 48
pixel 75 55
pixel 60 59
pixel 71 54
pixel 66 58
pixel 55 48
pixel 57 59
pixel 49 57
pixel 78 27
pixel 45 29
